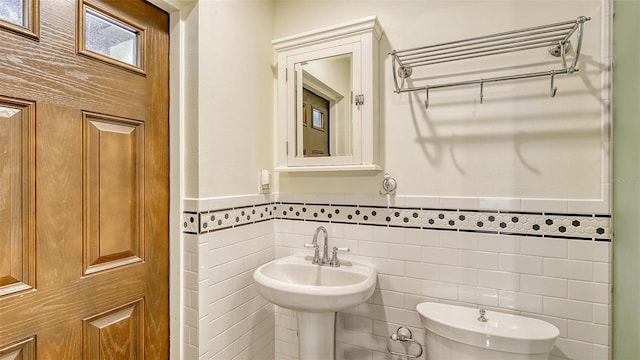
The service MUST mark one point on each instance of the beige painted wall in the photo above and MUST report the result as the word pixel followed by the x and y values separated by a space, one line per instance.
pixel 520 143
pixel 191 62
pixel 228 137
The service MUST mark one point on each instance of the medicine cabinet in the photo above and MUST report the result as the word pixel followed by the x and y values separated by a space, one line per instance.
pixel 328 98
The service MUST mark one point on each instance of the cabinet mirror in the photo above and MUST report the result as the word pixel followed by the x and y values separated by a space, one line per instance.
pixel 323 107
pixel 327 98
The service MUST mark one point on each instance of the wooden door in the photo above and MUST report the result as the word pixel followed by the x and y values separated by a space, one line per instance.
pixel 315 130
pixel 83 180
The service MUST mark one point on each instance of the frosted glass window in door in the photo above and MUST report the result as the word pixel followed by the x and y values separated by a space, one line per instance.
pixel 13 11
pixel 108 37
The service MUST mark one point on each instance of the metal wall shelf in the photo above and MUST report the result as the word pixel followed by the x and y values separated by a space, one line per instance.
pixel 554 37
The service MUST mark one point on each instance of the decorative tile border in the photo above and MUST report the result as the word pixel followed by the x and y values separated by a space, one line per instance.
pixel 567 226
pixel 190 221
pixel 214 220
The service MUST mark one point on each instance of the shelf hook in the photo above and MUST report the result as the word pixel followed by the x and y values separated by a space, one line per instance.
pixel 426 101
pixel 553 89
pixel 481 90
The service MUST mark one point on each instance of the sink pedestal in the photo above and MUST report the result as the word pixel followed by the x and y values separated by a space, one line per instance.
pixel 315 293
pixel 316 335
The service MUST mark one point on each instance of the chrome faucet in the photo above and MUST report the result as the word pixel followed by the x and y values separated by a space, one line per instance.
pixel 325 247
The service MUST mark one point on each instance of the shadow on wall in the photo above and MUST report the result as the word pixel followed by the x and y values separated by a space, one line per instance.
pixel 507 129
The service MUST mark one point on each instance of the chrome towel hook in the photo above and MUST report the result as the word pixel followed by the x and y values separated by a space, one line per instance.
pixel 389 185
pixel 553 89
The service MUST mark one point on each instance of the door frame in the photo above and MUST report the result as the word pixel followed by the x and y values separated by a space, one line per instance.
pixel 177 11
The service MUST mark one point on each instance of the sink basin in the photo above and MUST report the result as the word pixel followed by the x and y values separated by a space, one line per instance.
pixel 294 283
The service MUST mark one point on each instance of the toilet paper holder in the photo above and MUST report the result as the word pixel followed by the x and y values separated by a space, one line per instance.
pixel 403 334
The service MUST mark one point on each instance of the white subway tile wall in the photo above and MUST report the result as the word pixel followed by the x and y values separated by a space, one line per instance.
pixel 571 293
pixel 191 296
pixel 225 318
pixel 560 275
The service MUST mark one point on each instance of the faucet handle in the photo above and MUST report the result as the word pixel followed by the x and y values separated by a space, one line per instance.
pixel 334 256
pixel 316 252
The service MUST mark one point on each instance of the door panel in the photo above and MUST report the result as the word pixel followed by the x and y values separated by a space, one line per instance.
pixel 17 154
pixel 84 266
pixel 22 350
pixel 114 203
pixel 116 334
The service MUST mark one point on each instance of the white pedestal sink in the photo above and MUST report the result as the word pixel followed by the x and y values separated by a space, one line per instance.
pixel 315 293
